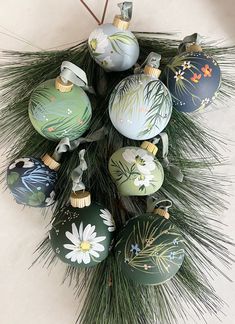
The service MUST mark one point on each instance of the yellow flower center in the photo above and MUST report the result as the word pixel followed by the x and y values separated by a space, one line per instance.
pixel 85 246
pixel 138 160
pixel 93 44
pixel 142 177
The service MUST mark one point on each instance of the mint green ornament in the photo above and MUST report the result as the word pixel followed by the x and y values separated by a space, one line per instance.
pixel 60 107
pixel 150 249
pixel 136 171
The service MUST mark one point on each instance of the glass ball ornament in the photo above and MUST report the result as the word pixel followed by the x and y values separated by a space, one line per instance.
pixel 136 170
pixel 82 236
pixel 113 46
pixel 150 249
pixel 193 79
pixel 57 110
pixel 140 106
pixel 32 181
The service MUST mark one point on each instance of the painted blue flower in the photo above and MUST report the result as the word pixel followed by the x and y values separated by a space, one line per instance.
pixel 175 241
pixel 172 255
pixel 135 249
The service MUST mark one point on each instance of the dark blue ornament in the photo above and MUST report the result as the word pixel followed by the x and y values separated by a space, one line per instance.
pixel 31 182
pixel 193 79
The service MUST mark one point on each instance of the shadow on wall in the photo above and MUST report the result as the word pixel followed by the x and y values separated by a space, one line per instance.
pixel 224 11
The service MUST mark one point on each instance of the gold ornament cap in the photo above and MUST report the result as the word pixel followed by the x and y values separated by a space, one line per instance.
pixel 80 199
pixel 61 86
pixel 150 147
pixel 194 48
pixel 149 70
pixel 50 162
pixel 120 23
pixel 161 212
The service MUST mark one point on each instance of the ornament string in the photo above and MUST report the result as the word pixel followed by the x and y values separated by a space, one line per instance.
pixel 173 169
pixel 159 206
pixel 194 39
pixel 153 60
pixel 126 10
pixel 77 173
pixel 72 73
pixel 66 145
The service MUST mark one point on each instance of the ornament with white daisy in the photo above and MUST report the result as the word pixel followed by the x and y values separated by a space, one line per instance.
pixel 82 234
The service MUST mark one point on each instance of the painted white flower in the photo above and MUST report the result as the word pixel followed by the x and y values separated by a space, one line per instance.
pixel 144 162
pixel 108 219
pixel 50 200
pixel 143 180
pixel 179 75
pixel 98 41
pixel 22 163
pixel 107 62
pixel 205 101
pixel 186 65
pixel 85 244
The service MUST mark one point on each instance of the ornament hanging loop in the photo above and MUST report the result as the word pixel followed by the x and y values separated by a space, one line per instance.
pixel 173 169
pixel 126 10
pixel 191 43
pixel 71 74
pixel 79 197
pixel 159 206
pixel 150 65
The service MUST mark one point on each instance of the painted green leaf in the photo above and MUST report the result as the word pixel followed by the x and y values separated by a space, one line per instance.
pixel 37 198
pixel 12 178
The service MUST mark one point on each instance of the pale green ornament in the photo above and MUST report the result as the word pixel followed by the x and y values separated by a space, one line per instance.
pixel 59 108
pixel 136 171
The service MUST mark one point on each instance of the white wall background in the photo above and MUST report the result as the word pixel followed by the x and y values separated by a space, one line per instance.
pixel 34 296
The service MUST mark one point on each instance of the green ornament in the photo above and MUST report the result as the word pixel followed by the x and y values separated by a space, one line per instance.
pixel 82 237
pixel 136 171
pixel 150 249
pixel 57 111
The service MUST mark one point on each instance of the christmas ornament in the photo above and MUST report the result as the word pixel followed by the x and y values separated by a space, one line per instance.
pixel 193 77
pixel 136 171
pixel 32 181
pixel 150 248
pixel 140 106
pixel 112 46
pixel 82 233
pixel 60 108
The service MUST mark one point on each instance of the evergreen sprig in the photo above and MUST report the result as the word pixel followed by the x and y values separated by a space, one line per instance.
pixel 198 201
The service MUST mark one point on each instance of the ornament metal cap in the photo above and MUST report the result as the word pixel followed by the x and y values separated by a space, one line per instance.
pixel 149 70
pixel 120 23
pixel 191 43
pixel 150 147
pixel 61 86
pixel 80 199
pixel 161 212
pixel 194 48
pixel 50 162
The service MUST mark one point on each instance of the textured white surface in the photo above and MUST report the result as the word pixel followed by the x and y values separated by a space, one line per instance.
pixel 34 296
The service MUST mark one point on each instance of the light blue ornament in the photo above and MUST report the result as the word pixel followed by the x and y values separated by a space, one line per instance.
pixel 140 106
pixel 112 46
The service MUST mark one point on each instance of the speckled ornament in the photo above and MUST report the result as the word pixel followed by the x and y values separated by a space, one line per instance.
pixel 150 249
pixel 114 47
pixel 31 182
pixel 194 79
pixel 140 106
pixel 56 114
pixel 136 171
pixel 81 237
